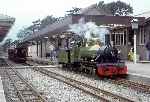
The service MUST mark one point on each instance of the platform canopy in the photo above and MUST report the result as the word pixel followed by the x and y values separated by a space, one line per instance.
pixel 63 25
pixel 6 23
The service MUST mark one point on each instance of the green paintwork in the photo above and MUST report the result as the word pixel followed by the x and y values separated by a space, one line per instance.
pixel 62 56
pixel 76 54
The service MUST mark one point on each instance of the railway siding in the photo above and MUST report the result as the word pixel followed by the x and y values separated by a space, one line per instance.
pixel 133 95
pixel 105 85
pixel 57 90
pixel 23 91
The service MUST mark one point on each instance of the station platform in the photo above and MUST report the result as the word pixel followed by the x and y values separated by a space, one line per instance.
pixel 45 61
pixel 2 95
pixel 139 69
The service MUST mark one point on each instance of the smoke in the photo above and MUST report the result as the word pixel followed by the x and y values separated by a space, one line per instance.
pixel 89 29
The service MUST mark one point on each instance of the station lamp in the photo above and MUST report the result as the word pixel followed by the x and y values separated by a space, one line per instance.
pixel 134 24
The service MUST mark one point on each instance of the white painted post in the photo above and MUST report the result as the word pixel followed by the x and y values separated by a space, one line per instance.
pixel 134 24
pixel 134 48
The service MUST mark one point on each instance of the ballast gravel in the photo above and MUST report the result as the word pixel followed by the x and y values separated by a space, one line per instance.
pixel 60 92
pixel 105 85
pixel 54 90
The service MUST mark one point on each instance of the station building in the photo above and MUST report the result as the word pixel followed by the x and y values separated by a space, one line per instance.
pixel 121 33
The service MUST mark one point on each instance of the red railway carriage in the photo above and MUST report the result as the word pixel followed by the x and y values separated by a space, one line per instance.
pixel 11 53
pixel 18 54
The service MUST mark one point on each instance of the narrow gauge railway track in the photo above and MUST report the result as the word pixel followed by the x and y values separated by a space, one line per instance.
pixel 120 81
pixel 133 85
pixel 25 91
pixel 139 86
pixel 96 92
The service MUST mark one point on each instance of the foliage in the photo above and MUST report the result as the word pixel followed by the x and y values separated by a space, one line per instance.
pixel 119 8
pixel 74 10
pixel 15 42
pixel 36 26
pixel 115 8
pixel 20 34
pixel 47 20
pixel 101 6
pixel 62 56
pixel 7 43
pixel 24 32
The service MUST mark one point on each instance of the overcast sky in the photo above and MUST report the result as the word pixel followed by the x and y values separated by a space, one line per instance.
pixel 26 11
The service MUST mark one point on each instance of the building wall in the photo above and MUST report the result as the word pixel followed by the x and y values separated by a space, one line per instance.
pixel 124 51
pixel 43 48
pixel 32 52
pixel 37 51
pixel 125 47
pixel 147 28
pixel 49 46
pixel 142 52
pixel 147 36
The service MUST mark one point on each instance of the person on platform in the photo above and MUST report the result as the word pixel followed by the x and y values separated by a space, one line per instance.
pixel 131 54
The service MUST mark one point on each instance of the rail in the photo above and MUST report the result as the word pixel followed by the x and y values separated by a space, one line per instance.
pixel 96 92
pixel 23 89
pixel 134 85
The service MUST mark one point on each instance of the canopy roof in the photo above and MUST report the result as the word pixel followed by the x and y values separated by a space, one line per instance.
pixel 6 23
pixel 62 26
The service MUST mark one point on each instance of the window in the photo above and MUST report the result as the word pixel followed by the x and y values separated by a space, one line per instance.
pixel 119 38
pixel 149 35
pixel 142 36
pixel 107 39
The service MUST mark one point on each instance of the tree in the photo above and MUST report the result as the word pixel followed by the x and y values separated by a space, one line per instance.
pixel 36 26
pixel 7 43
pixel 16 42
pixel 21 33
pixel 24 32
pixel 119 8
pixel 74 10
pixel 102 6
pixel 47 20
pixel 115 8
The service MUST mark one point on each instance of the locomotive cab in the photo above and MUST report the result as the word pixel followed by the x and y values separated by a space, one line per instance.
pixel 109 62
